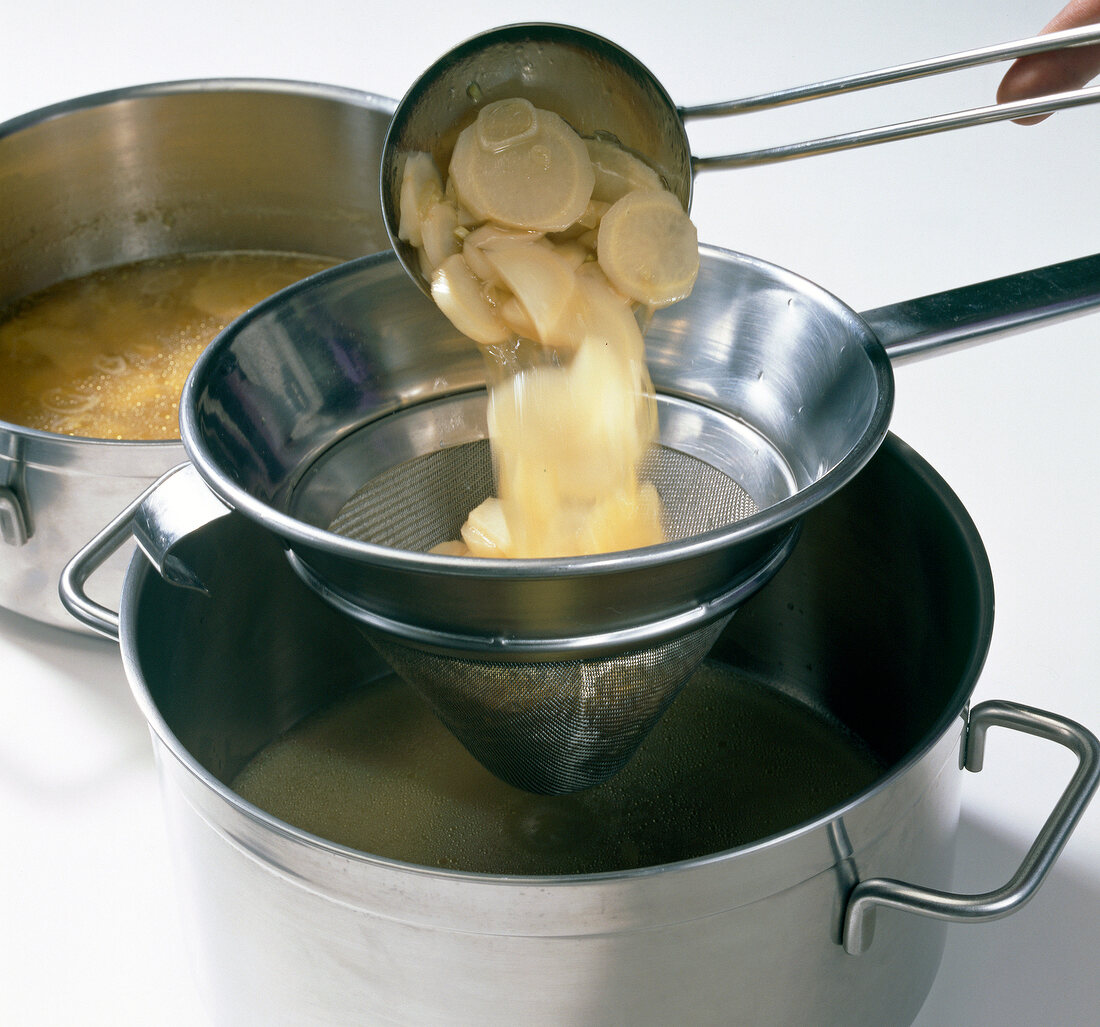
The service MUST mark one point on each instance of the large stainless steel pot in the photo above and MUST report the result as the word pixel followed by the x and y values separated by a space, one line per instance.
pixel 145 172
pixel 882 617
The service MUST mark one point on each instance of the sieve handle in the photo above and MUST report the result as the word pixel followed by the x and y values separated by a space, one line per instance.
pixel 922 327
pixel 175 505
pixel 1075 37
pixel 867 896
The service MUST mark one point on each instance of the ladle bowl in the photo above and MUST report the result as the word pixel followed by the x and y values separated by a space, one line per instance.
pixel 595 85
pixel 600 88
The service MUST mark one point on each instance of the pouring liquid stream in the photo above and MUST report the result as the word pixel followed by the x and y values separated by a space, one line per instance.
pixel 549 251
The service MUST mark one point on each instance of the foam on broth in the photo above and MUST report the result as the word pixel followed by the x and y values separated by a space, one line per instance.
pixel 106 355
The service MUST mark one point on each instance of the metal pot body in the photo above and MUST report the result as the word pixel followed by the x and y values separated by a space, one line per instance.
pixel 145 172
pixel 881 617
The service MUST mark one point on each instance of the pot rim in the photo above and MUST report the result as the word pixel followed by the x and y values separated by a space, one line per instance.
pixel 175 87
pixel 892 445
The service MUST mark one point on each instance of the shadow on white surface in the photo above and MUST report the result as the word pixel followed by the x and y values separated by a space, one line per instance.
pixel 1039 965
pixel 73 727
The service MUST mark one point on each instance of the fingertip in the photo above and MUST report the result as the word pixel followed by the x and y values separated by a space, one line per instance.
pixel 1023 81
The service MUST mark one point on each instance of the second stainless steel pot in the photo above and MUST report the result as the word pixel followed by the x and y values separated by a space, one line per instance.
pixel 149 171
pixel 881 618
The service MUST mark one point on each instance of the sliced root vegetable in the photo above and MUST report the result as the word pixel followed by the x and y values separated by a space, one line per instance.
pixel 427 269
pixel 465 218
pixel 459 294
pixel 569 433
pixel 552 251
pixel 506 124
pixel 455 548
pixel 590 270
pixel 522 167
pixel 648 247
pixel 589 239
pixel 587 222
pixel 490 237
pixel 626 519
pixel 540 279
pixel 618 171
pixel 486 530
pixel 421 188
pixel 605 316
pixel 514 315
pixel 609 386
pixel 593 214
pixel 438 229
pixel 573 253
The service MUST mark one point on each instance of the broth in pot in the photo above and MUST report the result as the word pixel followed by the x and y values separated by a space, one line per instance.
pixel 734 760
pixel 106 355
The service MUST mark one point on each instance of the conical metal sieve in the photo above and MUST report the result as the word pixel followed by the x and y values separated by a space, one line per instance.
pixel 347 416
pixel 365 445
pixel 561 717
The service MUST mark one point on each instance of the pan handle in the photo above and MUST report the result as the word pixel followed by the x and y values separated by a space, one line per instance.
pixel 175 505
pixel 867 896
pixel 918 328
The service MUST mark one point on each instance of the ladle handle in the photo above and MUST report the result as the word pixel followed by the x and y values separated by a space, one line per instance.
pixel 1082 36
pixel 868 895
pixel 922 327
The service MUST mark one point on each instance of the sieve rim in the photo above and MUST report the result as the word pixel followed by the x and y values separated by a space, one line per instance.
pixel 553 648
pixel 552 598
pixel 295 531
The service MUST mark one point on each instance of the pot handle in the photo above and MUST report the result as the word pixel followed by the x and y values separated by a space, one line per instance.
pixel 174 506
pixel 924 327
pixel 859 917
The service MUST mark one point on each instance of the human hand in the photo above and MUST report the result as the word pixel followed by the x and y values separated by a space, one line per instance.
pixel 1058 70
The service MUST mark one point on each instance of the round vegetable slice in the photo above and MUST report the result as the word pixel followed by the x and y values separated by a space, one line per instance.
pixel 485 532
pixel 438 232
pixel 522 167
pixel 491 237
pixel 540 279
pixel 453 547
pixel 421 187
pixel 618 171
pixel 458 293
pixel 648 247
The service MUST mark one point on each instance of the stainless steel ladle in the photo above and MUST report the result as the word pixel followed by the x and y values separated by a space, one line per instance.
pixel 600 88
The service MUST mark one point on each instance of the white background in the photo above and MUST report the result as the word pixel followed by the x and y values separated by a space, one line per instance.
pixel 89 933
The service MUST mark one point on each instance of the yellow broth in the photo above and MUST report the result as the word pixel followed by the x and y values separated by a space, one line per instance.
pixel 106 355
pixel 731 762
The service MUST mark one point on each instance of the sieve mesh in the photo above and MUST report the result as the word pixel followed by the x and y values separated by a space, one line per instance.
pixel 545 724
pixel 421 502
pixel 553 726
